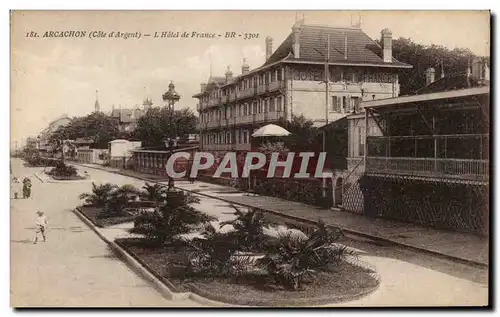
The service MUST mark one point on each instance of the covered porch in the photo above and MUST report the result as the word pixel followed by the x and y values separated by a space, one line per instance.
pixel 439 135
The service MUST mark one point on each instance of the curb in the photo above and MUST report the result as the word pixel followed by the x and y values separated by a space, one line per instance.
pixel 39 178
pixel 167 293
pixel 353 232
pixel 144 272
pixel 347 230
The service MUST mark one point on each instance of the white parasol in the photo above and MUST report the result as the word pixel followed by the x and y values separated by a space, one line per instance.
pixel 270 130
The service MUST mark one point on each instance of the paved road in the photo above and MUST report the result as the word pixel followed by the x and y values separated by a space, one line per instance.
pixel 75 268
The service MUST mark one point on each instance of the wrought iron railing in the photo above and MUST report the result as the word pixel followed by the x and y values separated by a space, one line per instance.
pixel 429 166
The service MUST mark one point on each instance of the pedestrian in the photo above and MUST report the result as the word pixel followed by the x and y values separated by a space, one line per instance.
pixel 15 187
pixel 41 226
pixel 26 188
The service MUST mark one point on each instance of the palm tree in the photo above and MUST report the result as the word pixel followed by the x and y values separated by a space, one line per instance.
pixel 294 258
pixel 156 192
pixel 119 198
pixel 100 194
pixel 249 228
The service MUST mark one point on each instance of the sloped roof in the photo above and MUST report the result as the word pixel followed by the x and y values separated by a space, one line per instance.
pixel 127 115
pixel 361 49
pixel 213 83
pixel 452 82
pixel 84 141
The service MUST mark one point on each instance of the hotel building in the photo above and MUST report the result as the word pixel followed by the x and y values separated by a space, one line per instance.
pixel 292 82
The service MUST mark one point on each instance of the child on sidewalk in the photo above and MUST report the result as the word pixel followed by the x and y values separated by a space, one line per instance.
pixel 41 225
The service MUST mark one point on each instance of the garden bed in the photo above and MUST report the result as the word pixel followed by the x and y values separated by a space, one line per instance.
pixel 92 213
pixel 346 281
pixel 67 178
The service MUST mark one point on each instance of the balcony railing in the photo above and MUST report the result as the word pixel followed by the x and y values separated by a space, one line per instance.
pixel 232 97
pixel 437 167
pixel 262 88
pixel 218 147
pixel 243 147
pixel 224 99
pixel 275 85
pixel 214 102
pixel 248 119
pixel 214 124
pixel 249 92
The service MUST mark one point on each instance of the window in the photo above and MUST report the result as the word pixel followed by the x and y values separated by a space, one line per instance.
pixel 345 104
pixel 279 106
pixel 280 74
pixel 245 136
pixel 228 138
pixel 272 105
pixel 337 75
pixel 254 108
pixel 361 133
pixel 355 104
pixel 336 104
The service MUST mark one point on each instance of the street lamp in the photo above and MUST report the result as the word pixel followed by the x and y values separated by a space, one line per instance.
pixel 170 98
pixel 169 144
pixel 327 99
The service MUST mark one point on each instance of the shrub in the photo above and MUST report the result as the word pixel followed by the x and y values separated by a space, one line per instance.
pixel 100 194
pixel 119 198
pixel 294 259
pixel 156 192
pixel 174 218
pixel 211 254
pixel 63 170
pixel 249 229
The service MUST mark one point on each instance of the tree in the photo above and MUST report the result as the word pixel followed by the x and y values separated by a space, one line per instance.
pixel 98 126
pixel 159 123
pixel 302 133
pixel 422 57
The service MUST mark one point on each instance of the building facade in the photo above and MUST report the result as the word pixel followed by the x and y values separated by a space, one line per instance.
pixel 427 161
pixel 477 75
pixel 129 118
pixel 292 82
pixel 45 135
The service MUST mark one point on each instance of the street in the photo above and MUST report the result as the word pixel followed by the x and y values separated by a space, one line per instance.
pixel 76 268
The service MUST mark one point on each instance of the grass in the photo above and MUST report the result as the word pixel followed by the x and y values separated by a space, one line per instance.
pixel 345 282
pixel 92 213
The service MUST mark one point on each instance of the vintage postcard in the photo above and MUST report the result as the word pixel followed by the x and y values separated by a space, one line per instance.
pixel 250 158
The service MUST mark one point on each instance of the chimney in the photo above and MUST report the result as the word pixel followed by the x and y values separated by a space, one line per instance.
pixel 269 47
pixel 387 45
pixel 429 76
pixel 296 39
pixel 245 68
pixel 202 87
pixel 229 74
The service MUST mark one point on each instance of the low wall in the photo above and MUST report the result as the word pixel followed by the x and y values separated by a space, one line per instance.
pixel 436 204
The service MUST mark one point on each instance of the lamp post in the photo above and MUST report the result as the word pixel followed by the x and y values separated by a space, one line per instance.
pixel 170 98
pixel 169 143
pixel 327 99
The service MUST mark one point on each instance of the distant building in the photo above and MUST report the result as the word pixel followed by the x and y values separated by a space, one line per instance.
pixel 45 135
pixel 129 118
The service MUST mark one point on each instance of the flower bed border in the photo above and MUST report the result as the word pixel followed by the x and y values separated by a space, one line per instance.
pixel 224 299
pixel 96 222
pixel 67 178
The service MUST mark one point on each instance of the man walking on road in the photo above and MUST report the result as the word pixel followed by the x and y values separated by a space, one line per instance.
pixel 41 225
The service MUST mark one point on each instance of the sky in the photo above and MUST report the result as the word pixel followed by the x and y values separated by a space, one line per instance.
pixel 51 77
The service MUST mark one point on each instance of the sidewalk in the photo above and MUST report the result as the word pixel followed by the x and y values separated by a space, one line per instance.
pixel 455 245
